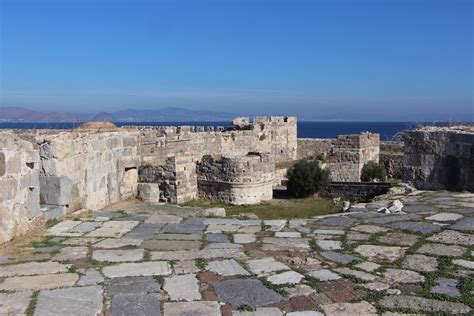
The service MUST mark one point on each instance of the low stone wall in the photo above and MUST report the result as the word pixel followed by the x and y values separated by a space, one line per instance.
pixel 357 191
pixel 236 180
pixel 19 186
pixel 393 164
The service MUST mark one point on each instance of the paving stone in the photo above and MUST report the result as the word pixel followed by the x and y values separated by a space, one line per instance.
pixel 132 285
pixel 275 224
pixel 193 229
pixel 111 243
pixel 217 237
pixel 163 219
pixel 324 275
pixel 38 282
pixel 195 254
pixel 287 243
pixel 358 274
pixel 32 268
pixel 118 255
pixel 329 244
pixel 249 229
pixel 80 241
pixel 182 287
pixel 144 231
pixel 305 313
pixel 90 277
pixel 240 292
pixel 351 236
pixel 266 265
pixel 464 224
pixel 367 266
pixel 392 218
pixel 340 291
pixel 417 227
pixel 349 309
pixel 222 245
pixel 71 253
pixel 447 287
pixel 108 214
pixel 421 304
pixel 302 303
pixel 453 237
pixel 136 304
pixel 303 230
pixel 380 253
pixel 137 269
pixel 85 227
pixel 420 263
pixel 288 235
pixel 399 239
pixel 86 300
pixel 154 244
pixel 442 250
pixel 199 308
pixel 261 311
pixel 464 263
pixel 403 276
pixel 113 229
pixel 215 229
pixel 338 257
pixel 14 303
pixel 62 228
pixel 341 221
pixel 328 232
pixel 297 222
pixel 376 286
pixel 444 217
pixel 178 237
pixel 226 268
pixel 244 238
pixel 369 229
pixel 185 267
pixel 289 277
pixel 47 249
pixel 418 208
pixel 138 218
pixel 299 290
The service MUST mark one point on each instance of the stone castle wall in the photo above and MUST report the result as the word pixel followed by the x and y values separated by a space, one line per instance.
pixel 311 147
pixel 440 158
pixel 236 180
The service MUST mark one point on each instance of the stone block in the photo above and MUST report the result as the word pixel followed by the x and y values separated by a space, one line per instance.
pixel 56 190
pixel 149 192
pixel 2 164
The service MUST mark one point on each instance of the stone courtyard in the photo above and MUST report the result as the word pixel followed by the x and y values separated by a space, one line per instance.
pixel 135 258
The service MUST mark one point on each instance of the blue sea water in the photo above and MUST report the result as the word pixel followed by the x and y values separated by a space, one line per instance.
pixel 387 130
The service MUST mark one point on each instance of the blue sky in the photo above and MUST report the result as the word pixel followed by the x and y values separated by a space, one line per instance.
pixel 295 57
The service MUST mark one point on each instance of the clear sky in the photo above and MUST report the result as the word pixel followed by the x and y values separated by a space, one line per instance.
pixel 380 57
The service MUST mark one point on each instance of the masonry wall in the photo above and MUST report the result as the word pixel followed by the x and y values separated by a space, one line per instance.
pixel 440 158
pixel 19 186
pixel 311 147
pixel 236 180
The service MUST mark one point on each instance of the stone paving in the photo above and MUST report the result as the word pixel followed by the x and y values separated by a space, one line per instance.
pixel 139 259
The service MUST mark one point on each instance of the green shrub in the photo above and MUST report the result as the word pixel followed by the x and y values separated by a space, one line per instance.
pixel 373 171
pixel 306 177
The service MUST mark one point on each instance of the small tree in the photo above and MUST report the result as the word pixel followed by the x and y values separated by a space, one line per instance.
pixel 373 171
pixel 306 177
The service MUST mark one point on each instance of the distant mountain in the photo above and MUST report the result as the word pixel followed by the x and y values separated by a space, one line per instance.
pixel 18 114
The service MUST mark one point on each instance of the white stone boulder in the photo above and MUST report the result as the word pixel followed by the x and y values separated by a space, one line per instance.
pixel 149 192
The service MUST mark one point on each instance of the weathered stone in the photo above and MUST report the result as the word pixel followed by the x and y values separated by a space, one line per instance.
pixel 86 300
pixel 14 303
pixel 420 263
pixel 357 236
pixel 62 228
pixel 185 267
pixel 266 265
pixel 358 274
pixel 242 292
pixel 149 192
pixel 380 253
pixel 385 219
pixel 261 311
pixel 453 237
pixel 137 269
pixel 144 231
pixel 217 238
pixel 182 287
pixel 417 227
pixel 338 257
pixel 464 224
pixel 56 190
pixel 324 275
pixel 195 254
pixel 244 238
pixel 39 282
pixel 376 286
pixel 329 244
pixel 71 253
pixel 113 229
pixel 249 229
pixel 132 285
pixel 395 206
pixel 184 228
pixel 80 241
pixel 226 268
pixel 442 250
pixel 328 232
pixel 216 211
pixel 163 219
pixel 112 243
pixel 446 287
pixel 85 227
pixel 369 229
pixel 398 238
pixel 305 313
pixel 178 237
pixel 136 304
pixel 403 276
pixel 202 308
pixel 288 235
pixel 289 277
pixel 222 245
pixel 464 263
pixel 90 277
pixel 299 290
pixel 444 217
pixel 423 304
pixel 342 221
pixel 118 255
pixel 47 249
pixel 367 266
pixel 349 309
pixel 32 268
pixel 287 243
pixel 171 244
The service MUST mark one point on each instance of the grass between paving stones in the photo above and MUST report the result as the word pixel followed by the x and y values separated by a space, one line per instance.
pixel 30 310
pixel 312 282
pixel 279 288
pixel 277 209
pixel 146 255
pixel 201 264
pixel 45 242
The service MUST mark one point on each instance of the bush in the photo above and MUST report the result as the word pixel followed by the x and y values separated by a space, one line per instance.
pixel 373 171
pixel 306 177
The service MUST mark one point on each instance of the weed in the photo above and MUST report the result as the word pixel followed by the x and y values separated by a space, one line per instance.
pixel 201 263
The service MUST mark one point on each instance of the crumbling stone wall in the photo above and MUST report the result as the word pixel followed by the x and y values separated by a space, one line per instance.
pixel 236 180
pixel 311 147
pixel 19 186
pixel 440 158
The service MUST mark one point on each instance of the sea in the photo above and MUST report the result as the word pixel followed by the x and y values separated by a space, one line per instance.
pixel 387 130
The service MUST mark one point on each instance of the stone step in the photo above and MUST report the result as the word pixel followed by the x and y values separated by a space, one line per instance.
pixel 53 211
